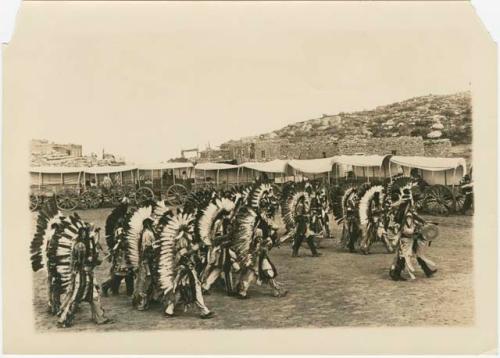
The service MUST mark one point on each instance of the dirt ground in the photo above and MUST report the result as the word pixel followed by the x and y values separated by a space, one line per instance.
pixel 336 289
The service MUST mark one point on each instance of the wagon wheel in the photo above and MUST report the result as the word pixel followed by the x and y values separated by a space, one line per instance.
pixel 459 201
pixel 90 199
pixel 438 200
pixel 143 194
pixel 128 192
pixel 34 202
pixel 419 198
pixel 117 196
pixel 67 200
pixel 176 194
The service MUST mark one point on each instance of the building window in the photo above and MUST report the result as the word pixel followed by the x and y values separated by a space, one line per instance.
pixel 324 154
pixel 393 152
pixel 263 154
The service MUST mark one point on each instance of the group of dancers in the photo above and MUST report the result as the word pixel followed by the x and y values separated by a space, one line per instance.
pixel 175 255
pixel 388 213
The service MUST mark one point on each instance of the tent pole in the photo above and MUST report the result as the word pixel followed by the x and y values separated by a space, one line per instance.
pixel 40 180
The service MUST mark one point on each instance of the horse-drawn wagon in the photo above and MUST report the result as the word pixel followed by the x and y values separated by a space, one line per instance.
pixel 61 182
pixel 440 177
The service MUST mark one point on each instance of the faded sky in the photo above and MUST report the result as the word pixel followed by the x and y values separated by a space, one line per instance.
pixel 145 80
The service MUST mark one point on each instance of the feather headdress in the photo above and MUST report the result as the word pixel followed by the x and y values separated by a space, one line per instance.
pixel 336 194
pixel 243 232
pixel 133 233
pixel 397 188
pixel 257 193
pixel 197 200
pixel 159 209
pixel 289 206
pixel 362 189
pixel 371 204
pixel 47 219
pixel 60 253
pixel 347 195
pixel 176 226
pixel 207 218
pixel 120 212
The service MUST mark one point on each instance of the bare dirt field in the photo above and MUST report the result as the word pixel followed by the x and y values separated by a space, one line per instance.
pixel 336 289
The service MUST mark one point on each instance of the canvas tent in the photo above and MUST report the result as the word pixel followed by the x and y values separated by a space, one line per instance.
pixel 121 174
pixel 367 166
pixel 445 171
pixel 216 173
pixel 165 174
pixel 312 168
pixel 57 176
pixel 274 169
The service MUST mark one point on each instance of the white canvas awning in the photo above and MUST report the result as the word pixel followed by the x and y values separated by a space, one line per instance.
pixel 55 170
pixel 214 166
pixel 165 166
pixel 273 166
pixel 313 166
pixel 430 163
pixel 108 169
pixel 361 160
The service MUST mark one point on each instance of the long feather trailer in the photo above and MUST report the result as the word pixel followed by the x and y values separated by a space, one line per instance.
pixel 371 200
pixel 257 193
pixel 205 222
pixel 109 229
pixel 134 233
pixel 175 226
pixel 243 233
pixel 47 219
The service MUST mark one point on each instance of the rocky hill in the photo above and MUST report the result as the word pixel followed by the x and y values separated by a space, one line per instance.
pixel 430 117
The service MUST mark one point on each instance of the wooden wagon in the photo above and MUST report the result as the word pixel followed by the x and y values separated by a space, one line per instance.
pixel 60 182
pixel 442 175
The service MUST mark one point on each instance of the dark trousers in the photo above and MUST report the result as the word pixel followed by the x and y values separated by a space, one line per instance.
pixel 298 241
pixel 467 203
pixel 115 281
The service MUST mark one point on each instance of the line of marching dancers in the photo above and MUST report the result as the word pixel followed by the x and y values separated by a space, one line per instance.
pixel 175 255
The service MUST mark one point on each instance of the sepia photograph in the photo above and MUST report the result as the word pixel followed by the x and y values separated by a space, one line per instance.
pixel 250 168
